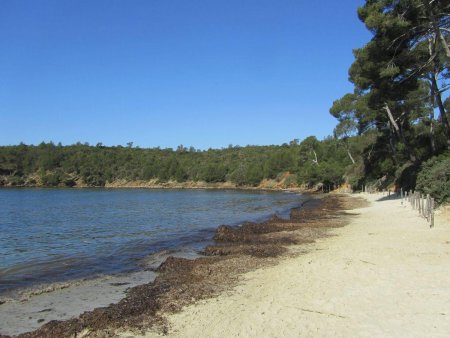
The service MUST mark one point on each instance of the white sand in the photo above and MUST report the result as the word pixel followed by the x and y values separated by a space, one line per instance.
pixel 387 274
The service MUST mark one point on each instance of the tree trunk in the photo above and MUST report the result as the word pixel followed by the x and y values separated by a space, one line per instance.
pixel 347 149
pixel 391 119
pixel 435 26
pixel 435 92
pixel 431 51
pixel 392 143
pixel 369 155
pixel 444 43
pixel 399 133
pixel 350 155
pixel 432 135
pixel 432 131
pixel 315 157
pixel 442 112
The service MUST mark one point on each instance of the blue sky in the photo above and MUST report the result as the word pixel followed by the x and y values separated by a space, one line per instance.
pixel 202 73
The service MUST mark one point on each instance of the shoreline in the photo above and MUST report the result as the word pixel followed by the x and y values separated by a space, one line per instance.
pixel 151 260
pixel 232 250
pixel 265 185
pixel 28 308
pixel 385 274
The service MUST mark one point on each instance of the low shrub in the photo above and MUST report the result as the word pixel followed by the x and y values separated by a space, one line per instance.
pixel 434 178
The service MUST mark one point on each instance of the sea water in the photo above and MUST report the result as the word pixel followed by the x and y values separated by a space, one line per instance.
pixel 51 235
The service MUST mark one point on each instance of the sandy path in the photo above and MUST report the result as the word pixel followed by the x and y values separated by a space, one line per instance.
pixel 385 274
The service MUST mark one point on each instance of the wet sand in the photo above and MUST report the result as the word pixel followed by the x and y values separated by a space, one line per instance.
pixel 32 308
pixel 28 309
pixel 181 282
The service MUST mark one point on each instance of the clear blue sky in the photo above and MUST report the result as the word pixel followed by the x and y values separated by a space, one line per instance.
pixel 205 73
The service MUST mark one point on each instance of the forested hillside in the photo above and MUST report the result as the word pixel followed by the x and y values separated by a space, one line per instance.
pixel 392 130
pixel 47 164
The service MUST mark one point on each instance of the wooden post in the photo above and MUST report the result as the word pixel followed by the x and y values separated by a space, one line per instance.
pixel 423 204
pixel 432 213
pixel 401 195
pixel 420 204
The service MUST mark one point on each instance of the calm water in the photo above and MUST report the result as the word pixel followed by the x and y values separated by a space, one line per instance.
pixel 49 235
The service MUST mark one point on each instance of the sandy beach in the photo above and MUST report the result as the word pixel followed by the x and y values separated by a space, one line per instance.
pixel 179 281
pixel 386 274
pixel 361 265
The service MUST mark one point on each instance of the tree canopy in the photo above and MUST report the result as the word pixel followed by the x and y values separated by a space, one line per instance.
pixel 310 162
pixel 400 86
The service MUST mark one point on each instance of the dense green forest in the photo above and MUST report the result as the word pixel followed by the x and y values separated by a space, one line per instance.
pixel 392 130
pixel 310 161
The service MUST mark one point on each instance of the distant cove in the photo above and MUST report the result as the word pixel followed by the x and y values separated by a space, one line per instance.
pixel 49 235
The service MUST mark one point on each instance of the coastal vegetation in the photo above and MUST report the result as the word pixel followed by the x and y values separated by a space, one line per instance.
pixel 399 80
pixel 309 162
pixel 393 129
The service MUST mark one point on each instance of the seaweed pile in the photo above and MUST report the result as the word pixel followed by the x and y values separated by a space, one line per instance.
pixel 182 281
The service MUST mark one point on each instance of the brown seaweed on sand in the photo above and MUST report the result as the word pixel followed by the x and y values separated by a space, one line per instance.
pixel 182 281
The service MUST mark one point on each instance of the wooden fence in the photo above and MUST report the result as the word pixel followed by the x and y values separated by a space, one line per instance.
pixel 424 204
pixel 420 202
